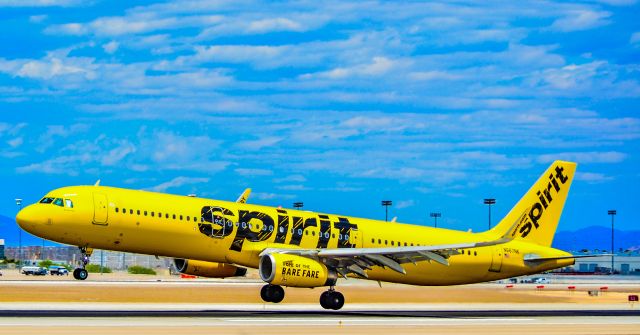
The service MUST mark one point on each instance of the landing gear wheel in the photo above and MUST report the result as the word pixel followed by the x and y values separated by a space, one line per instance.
pixel 272 293
pixel 82 274
pixel 331 300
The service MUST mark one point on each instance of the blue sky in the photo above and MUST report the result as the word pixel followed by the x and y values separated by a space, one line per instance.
pixel 338 104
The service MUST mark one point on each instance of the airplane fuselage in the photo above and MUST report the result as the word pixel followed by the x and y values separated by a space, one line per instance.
pixel 219 231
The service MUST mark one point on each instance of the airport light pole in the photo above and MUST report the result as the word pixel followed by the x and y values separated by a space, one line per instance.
pixel 435 216
pixel 298 205
pixel 613 213
pixel 489 201
pixel 386 204
pixel 19 203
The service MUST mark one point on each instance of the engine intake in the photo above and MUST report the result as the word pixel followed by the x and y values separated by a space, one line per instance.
pixel 208 269
pixel 296 271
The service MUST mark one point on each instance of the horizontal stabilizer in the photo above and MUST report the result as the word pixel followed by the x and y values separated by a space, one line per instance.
pixel 536 258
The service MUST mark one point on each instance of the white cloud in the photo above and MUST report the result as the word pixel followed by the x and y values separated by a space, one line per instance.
pixel 405 204
pixel 592 178
pixel 178 182
pixel 635 38
pixel 377 67
pixel 253 172
pixel 111 47
pixel 16 142
pixel 255 145
pixel 585 157
pixel 275 24
pixel 40 3
pixel 115 155
pixel 37 18
pixel 581 19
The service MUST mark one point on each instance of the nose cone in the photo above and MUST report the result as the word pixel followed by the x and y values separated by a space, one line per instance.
pixel 27 218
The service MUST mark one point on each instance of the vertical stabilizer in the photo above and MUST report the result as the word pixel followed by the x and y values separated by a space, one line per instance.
pixel 536 216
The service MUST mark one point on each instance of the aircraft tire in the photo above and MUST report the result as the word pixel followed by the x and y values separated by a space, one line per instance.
pixel 277 293
pixel 323 299
pixel 75 274
pixel 82 274
pixel 264 293
pixel 332 300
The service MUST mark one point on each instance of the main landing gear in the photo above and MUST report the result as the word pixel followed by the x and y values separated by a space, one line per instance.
pixel 272 293
pixel 81 273
pixel 330 299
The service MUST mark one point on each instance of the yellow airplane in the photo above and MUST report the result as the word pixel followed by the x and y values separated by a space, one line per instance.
pixel 214 238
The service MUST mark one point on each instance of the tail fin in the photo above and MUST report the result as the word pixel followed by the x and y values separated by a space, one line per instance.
pixel 535 217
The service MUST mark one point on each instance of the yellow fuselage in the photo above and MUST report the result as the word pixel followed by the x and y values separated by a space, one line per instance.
pixel 219 231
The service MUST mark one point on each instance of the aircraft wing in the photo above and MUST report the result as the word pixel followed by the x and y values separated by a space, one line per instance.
pixel 357 260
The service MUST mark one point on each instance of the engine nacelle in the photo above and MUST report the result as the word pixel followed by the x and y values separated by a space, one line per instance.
pixel 208 269
pixel 293 270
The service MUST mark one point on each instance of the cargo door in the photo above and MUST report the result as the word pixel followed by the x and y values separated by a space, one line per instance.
pixel 100 212
pixel 496 259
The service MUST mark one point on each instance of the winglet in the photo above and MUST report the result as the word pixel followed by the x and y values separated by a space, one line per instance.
pixel 97 183
pixel 244 196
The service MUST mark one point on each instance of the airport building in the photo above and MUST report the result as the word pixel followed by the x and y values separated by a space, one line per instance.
pixel 1 248
pixel 625 264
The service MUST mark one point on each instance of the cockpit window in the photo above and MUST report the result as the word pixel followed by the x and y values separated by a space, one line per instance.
pixel 46 200
pixel 58 202
pixel 68 203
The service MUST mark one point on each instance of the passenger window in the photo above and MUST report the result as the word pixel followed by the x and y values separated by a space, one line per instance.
pixel 174 216
pixel 386 242
pixel 181 217
pixel 138 211
pixel 379 241
pixel 68 203
pixel 188 218
pixel 160 215
pixel 195 219
pixel 152 214
pixel 58 202
pixel 393 243
pixel 145 213
pixel 116 209
pixel 373 240
pixel 306 232
pixel 131 211
pixel 405 244
pixel 475 253
pixel 313 233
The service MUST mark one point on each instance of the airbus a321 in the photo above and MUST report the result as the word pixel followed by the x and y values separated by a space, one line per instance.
pixel 293 248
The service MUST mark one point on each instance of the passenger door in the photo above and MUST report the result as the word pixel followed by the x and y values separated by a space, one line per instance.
pixel 100 209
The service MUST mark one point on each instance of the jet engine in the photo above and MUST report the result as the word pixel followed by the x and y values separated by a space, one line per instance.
pixel 297 271
pixel 208 269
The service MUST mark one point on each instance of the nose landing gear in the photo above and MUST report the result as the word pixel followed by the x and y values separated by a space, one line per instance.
pixel 81 273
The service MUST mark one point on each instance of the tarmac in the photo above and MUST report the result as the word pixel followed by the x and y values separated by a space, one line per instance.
pixel 122 304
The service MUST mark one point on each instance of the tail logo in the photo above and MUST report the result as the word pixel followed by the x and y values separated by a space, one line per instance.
pixel 532 220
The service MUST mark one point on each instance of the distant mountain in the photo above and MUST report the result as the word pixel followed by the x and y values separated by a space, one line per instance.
pixel 596 237
pixel 10 232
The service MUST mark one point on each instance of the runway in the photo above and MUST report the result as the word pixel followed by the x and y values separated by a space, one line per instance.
pixel 207 307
